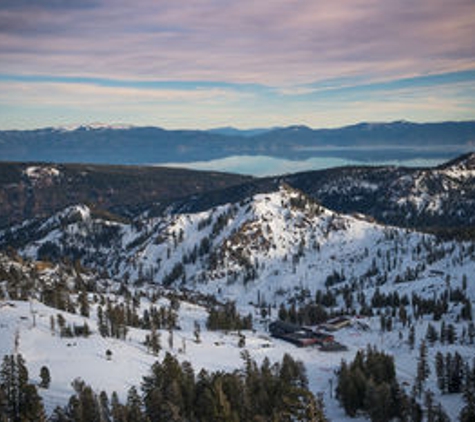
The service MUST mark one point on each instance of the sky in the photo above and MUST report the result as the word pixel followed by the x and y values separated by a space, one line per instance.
pixel 200 64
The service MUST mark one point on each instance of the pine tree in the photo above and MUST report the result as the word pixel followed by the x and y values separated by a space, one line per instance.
pixel 413 411
pixel 411 339
pixel 153 341
pixel 84 406
pixel 451 334
pixel 104 407
pixel 466 312
pixel 467 414
pixel 60 415
pixel 61 324
pixel 45 377
pixel 118 411
pixel 347 390
pixel 52 324
pixel 197 332
pixel 102 325
pixel 134 406
pixel 378 402
pixel 242 340
pixel 440 372
pixel 429 404
pixel 423 369
pixel 471 332
pixel 443 332
pixel 83 301
pixel 21 399
pixel 31 406
pixel 3 404
pixel 431 334
pixel 454 369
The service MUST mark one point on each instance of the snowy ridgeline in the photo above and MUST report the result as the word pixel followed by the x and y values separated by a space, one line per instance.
pixel 273 246
pixel 274 255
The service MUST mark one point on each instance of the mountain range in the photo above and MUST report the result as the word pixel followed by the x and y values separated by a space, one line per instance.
pixel 96 260
pixel 150 145
pixel 436 199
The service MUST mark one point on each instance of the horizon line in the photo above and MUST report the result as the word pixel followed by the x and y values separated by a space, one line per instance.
pixel 127 126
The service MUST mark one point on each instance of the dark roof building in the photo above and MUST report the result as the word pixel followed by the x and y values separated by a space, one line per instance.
pixel 300 336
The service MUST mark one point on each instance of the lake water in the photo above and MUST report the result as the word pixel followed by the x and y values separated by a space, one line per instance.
pixel 261 165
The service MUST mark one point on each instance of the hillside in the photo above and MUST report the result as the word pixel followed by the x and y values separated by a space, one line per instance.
pixel 424 198
pixel 432 199
pixel 438 199
pixel 276 255
pixel 272 246
pixel 39 190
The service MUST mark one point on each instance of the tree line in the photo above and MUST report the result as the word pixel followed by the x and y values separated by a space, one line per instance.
pixel 173 391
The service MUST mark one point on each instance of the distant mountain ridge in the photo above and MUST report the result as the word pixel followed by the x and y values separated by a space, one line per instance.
pixel 440 199
pixel 423 198
pixel 433 198
pixel 142 145
pixel 35 190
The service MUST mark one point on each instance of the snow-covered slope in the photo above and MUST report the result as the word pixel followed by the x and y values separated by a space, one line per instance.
pixel 268 248
pixel 25 327
pixel 441 197
pixel 271 249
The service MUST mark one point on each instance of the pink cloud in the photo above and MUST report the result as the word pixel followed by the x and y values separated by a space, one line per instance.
pixel 277 43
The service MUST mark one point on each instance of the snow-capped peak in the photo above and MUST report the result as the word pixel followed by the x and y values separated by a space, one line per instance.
pixel 93 126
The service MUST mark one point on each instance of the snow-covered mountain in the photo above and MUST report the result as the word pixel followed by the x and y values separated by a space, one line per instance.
pixel 274 252
pixel 441 197
pixel 270 248
pixel 434 199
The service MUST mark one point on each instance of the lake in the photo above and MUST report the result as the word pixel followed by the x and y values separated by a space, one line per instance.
pixel 262 165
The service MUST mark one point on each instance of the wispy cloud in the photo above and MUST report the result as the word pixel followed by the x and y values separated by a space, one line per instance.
pixel 291 47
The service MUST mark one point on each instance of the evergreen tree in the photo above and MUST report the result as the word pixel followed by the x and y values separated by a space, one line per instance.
pixel 443 332
pixel 118 411
pixel 21 401
pixel 451 334
pixel 411 339
pixel 153 341
pixel 423 369
pixel 413 411
pixel 134 406
pixel 431 334
pixel 471 332
pixel 378 401
pixel 197 332
pixel 102 325
pixel 172 393
pixel 84 405
pixel 170 339
pixel 454 367
pixel 45 377
pixel 52 324
pixel 369 384
pixel 31 405
pixel 83 302
pixel 467 414
pixel 440 372
pixel 466 311
pixel 104 407
pixel 59 415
